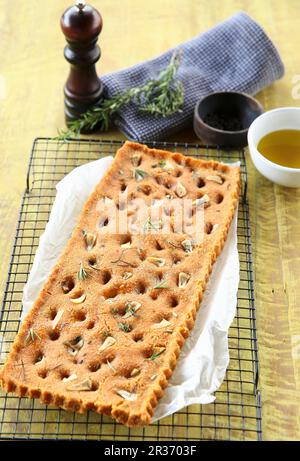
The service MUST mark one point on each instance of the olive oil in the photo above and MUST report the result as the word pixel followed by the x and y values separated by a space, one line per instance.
pixel 281 147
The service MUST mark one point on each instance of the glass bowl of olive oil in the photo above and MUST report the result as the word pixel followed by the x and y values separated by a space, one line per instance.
pixel 274 145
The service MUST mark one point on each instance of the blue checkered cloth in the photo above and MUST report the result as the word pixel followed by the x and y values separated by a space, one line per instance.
pixel 235 55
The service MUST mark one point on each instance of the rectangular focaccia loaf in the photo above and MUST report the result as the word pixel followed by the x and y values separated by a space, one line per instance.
pixel 107 328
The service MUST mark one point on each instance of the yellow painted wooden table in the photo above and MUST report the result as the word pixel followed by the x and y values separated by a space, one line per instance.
pixel 32 74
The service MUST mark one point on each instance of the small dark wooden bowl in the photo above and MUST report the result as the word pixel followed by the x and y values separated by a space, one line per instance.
pixel 227 105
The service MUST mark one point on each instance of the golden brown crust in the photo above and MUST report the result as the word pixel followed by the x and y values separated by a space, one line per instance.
pixel 45 353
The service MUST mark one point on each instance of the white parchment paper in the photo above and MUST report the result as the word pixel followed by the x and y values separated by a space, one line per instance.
pixel 204 358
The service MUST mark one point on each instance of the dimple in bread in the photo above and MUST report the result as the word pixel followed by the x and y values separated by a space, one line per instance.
pixel 107 328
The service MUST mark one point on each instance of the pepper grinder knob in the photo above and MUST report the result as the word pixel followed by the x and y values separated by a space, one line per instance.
pixel 81 25
pixel 80 5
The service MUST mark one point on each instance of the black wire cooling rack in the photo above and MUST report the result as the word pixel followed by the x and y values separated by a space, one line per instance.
pixel 236 412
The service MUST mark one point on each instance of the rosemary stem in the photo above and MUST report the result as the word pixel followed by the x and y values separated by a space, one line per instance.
pixel 162 96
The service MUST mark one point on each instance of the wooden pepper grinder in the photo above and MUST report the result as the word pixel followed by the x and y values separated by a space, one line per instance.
pixel 81 25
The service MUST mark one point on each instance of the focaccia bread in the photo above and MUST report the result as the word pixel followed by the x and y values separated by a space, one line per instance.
pixel 107 328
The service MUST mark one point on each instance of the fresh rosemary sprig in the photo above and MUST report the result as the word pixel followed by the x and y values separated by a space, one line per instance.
pixel 149 225
pixel 32 336
pixel 162 96
pixel 139 175
pixel 161 164
pixel 162 285
pixel 82 273
pixel 124 327
pixel 121 262
pixel 131 312
pixel 156 354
